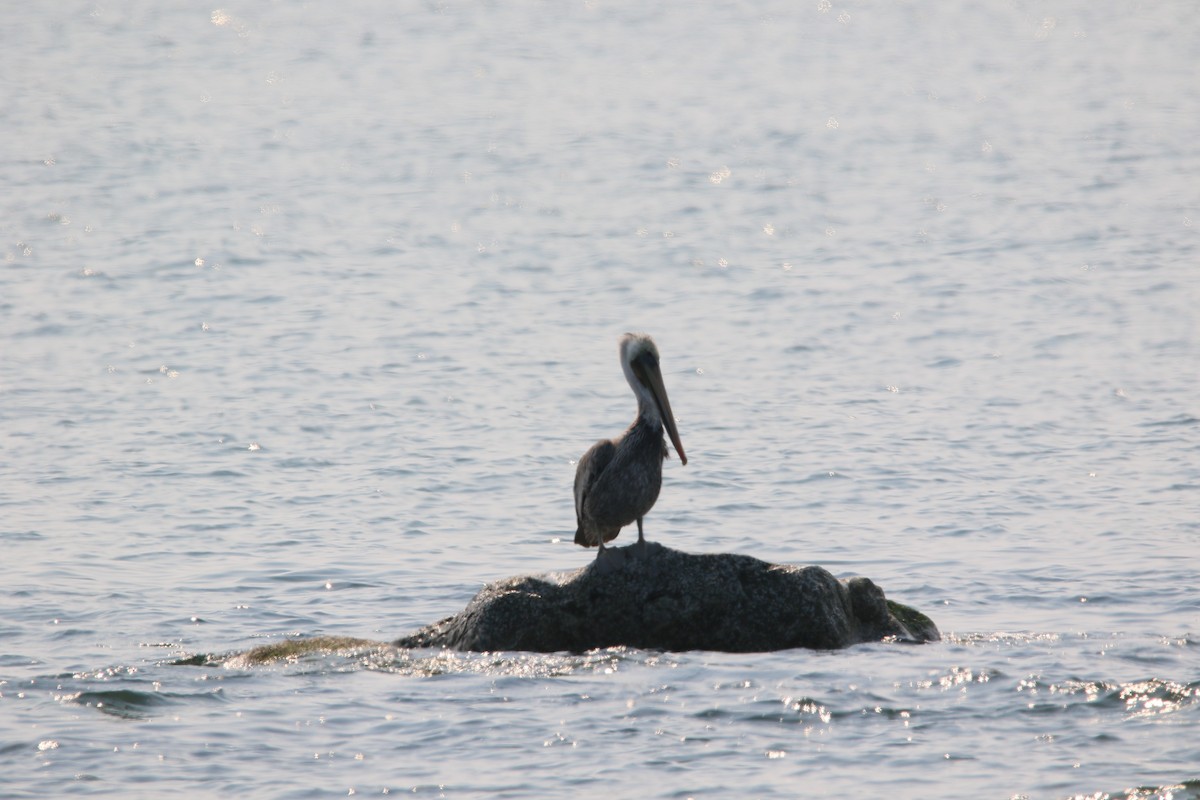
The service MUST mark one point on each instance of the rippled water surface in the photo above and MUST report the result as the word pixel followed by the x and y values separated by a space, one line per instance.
pixel 308 309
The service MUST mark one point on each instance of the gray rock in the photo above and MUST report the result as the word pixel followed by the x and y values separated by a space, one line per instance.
pixel 651 597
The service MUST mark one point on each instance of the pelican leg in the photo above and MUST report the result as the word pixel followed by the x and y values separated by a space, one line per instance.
pixel 641 538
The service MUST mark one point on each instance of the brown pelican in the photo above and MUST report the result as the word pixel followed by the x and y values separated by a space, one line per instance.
pixel 617 480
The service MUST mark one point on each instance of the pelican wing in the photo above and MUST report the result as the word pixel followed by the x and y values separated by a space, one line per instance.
pixel 588 470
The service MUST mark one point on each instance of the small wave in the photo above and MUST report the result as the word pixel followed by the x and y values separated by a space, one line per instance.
pixel 1000 637
pixel 1179 420
pixel 1188 790
pixel 133 703
pixel 1154 697
pixel 824 475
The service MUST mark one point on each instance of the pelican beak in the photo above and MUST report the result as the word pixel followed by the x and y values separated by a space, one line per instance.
pixel 651 375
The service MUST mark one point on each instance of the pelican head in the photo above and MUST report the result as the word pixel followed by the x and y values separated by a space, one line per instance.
pixel 639 360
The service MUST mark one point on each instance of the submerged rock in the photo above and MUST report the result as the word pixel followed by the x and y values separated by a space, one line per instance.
pixel 284 650
pixel 651 597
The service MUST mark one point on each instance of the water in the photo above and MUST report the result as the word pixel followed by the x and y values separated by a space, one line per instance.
pixel 307 311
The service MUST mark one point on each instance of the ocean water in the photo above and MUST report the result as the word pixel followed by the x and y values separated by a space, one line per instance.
pixel 307 310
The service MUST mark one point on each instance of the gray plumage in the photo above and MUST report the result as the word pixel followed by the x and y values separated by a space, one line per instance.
pixel 617 480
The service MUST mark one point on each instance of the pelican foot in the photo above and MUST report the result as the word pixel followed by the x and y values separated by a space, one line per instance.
pixel 643 549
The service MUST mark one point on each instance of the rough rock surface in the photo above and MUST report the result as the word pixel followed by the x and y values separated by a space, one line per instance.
pixel 656 598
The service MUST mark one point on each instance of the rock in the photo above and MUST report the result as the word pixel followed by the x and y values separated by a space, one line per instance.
pixel 651 597
pixel 285 650
pixel 294 649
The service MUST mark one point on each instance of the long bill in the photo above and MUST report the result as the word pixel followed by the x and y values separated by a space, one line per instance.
pixel 652 376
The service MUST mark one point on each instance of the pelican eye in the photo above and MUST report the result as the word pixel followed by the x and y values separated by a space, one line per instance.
pixel 644 364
